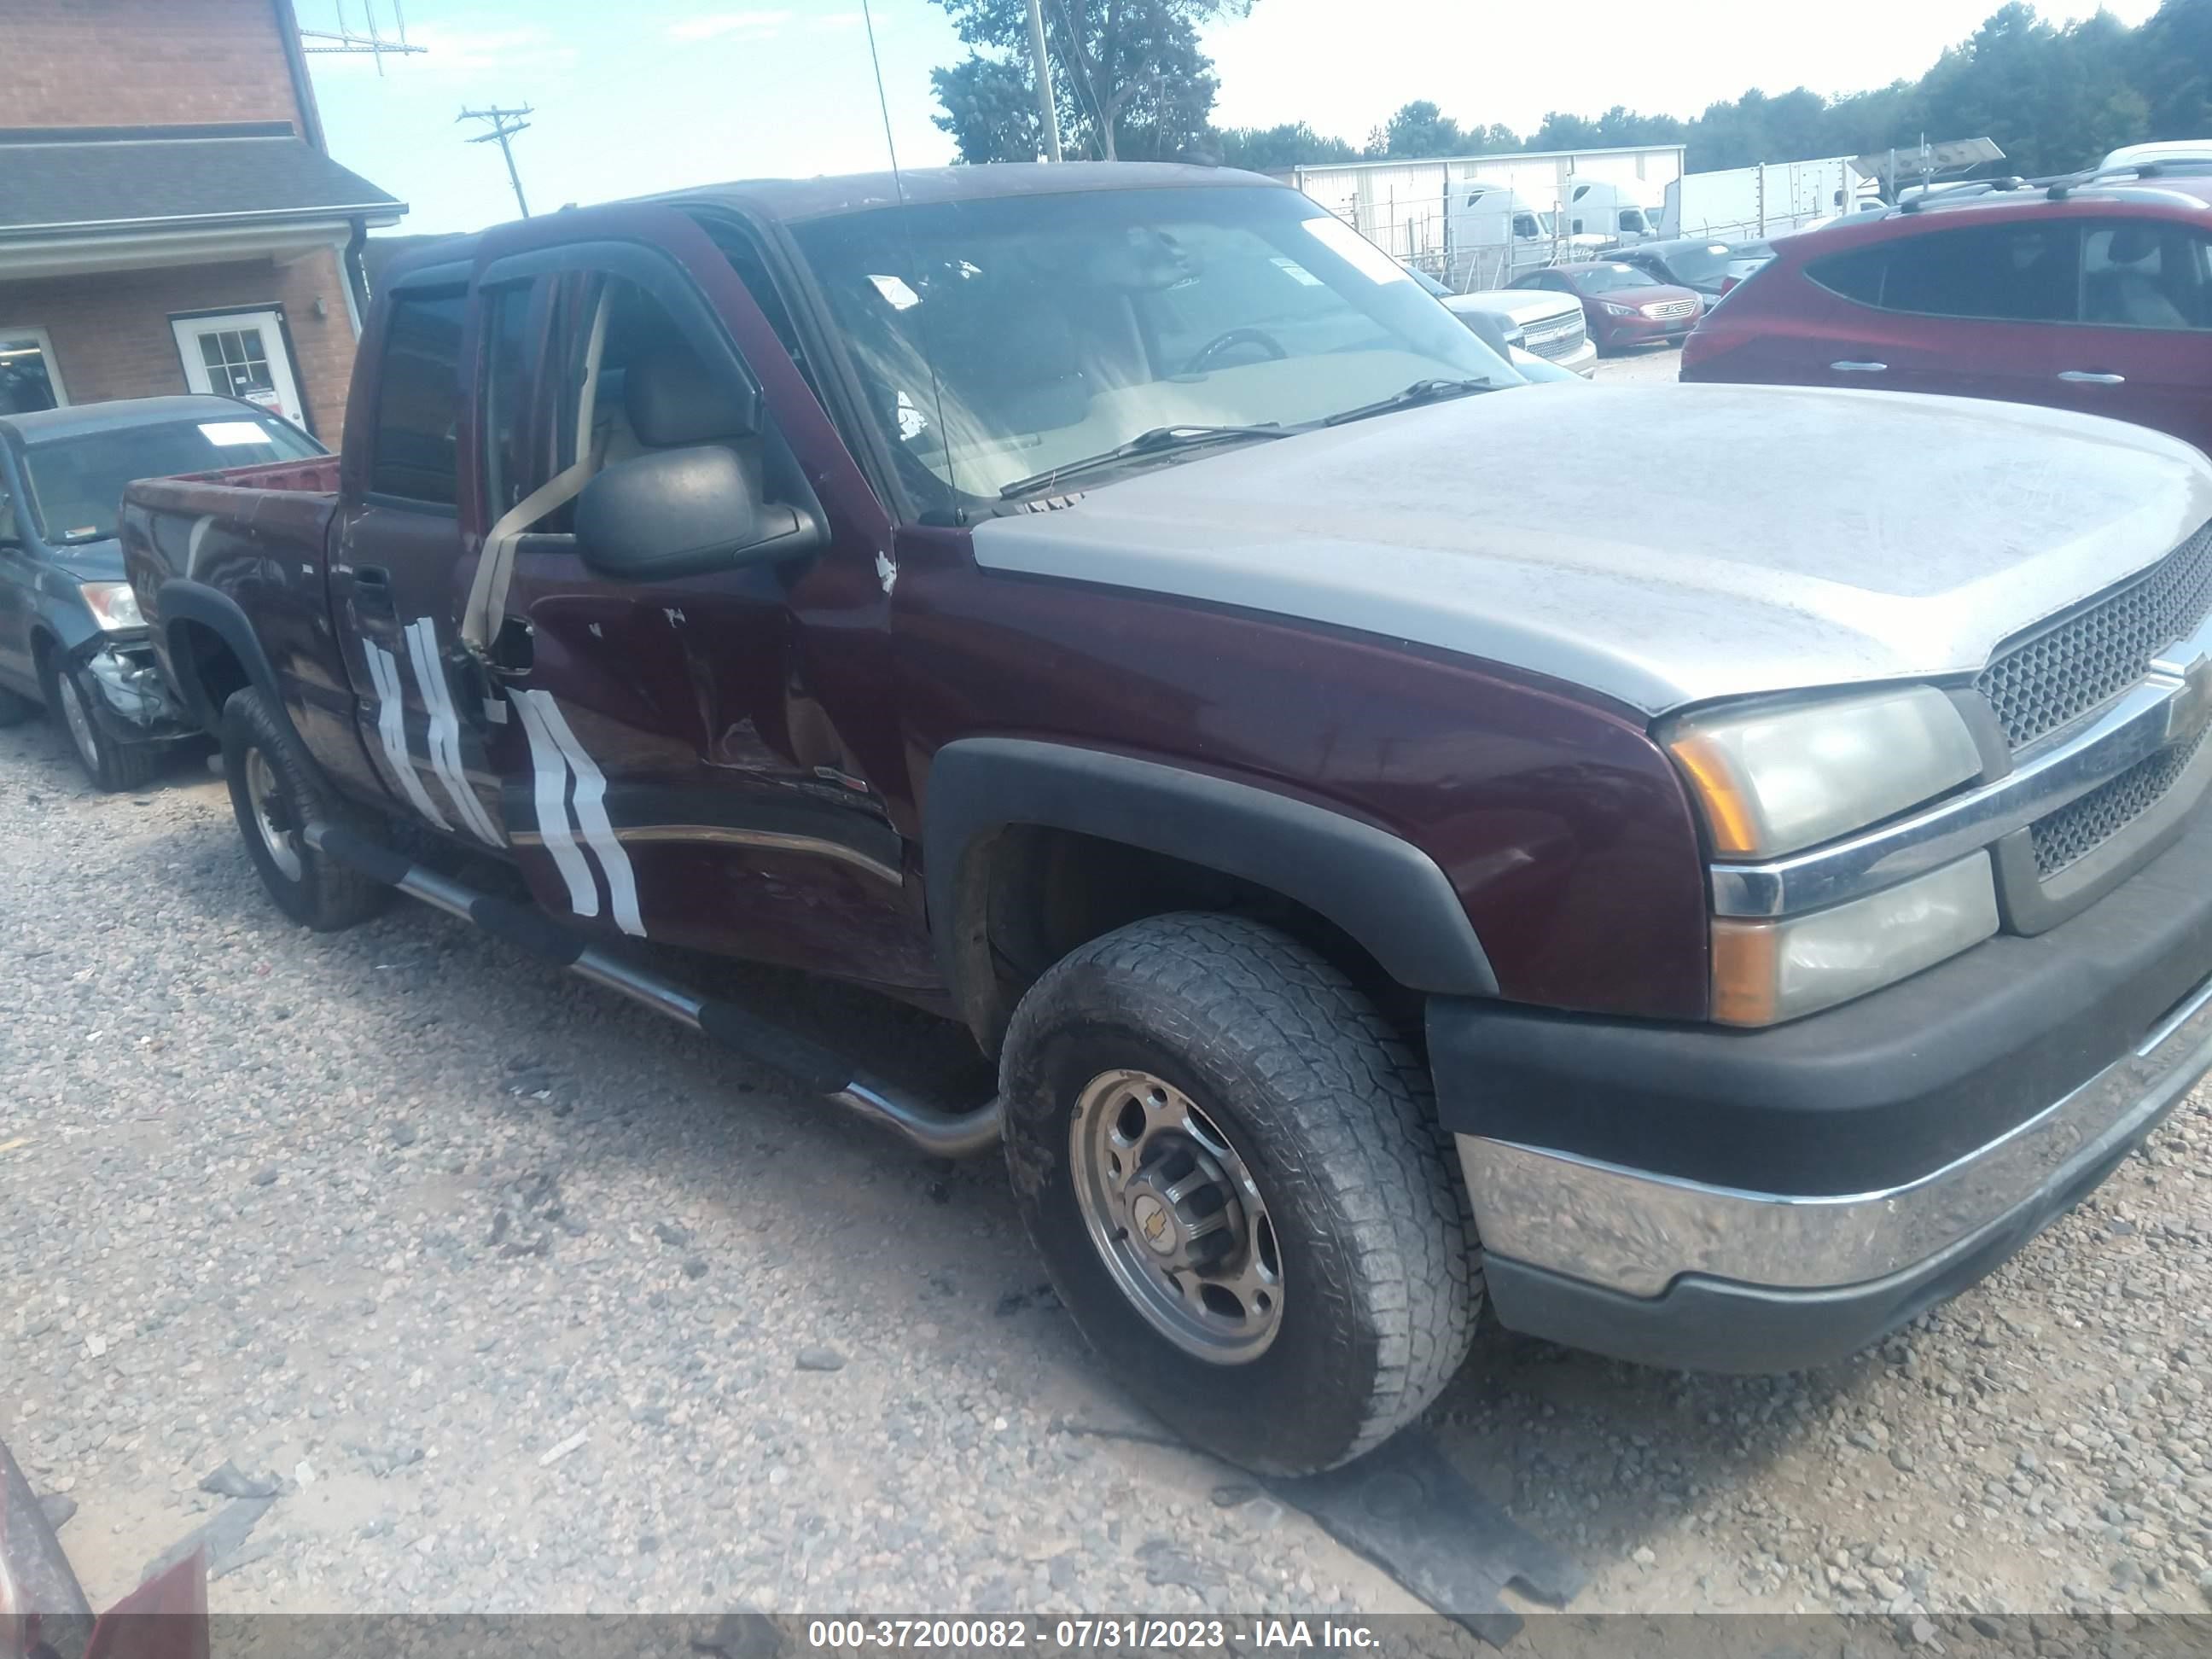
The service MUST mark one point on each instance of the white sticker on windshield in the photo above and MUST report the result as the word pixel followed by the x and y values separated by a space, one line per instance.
pixel 1356 251
pixel 893 289
pixel 1295 272
pixel 229 434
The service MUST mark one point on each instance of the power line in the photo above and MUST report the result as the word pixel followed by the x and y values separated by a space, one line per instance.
pixel 505 123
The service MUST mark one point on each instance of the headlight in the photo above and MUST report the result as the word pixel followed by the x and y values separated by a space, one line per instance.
pixel 114 605
pixel 1620 311
pixel 1771 779
pixel 1765 972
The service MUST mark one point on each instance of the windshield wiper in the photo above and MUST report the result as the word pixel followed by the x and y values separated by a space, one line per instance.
pixel 1156 441
pixel 1421 391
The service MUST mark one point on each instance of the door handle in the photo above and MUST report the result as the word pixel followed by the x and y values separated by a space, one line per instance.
pixel 1860 369
pixel 2088 377
pixel 371 587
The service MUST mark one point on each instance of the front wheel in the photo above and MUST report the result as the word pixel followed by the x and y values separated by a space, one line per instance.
pixel 1232 1167
pixel 72 698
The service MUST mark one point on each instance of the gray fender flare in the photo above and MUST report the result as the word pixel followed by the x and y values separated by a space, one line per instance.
pixel 1384 892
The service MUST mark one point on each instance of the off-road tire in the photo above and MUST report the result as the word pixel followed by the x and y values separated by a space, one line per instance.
pixel 1332 1116
pixel 112 766
pixel 326 895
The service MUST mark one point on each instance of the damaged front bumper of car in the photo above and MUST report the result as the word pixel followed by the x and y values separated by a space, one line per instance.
pixel 135 704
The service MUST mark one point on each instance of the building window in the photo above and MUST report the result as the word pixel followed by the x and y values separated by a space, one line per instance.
pixel 28 377
pixel 237 362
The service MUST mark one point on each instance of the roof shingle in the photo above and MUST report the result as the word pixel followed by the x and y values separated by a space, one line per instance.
pixel 54 179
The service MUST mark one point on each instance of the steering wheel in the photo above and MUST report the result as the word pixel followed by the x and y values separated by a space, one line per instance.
pixel 1236 336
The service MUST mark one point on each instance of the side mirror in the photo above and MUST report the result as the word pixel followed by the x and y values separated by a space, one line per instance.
pixel 682 513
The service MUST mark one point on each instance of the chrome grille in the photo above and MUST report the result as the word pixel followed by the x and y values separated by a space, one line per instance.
pixel 2060 674
pixel 2082 825
pixel 1671 309
pixel 1562 336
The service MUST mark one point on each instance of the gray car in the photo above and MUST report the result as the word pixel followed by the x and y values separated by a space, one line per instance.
pixel 71 638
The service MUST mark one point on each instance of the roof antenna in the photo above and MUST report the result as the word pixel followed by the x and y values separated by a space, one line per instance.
pixel 912 259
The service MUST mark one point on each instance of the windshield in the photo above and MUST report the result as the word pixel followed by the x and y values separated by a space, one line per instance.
pixel 1605 279
pixel 1707 263
pixel 77 482
pixel 1063 326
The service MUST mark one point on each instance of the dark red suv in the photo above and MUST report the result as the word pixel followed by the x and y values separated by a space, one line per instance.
pixel 2091 294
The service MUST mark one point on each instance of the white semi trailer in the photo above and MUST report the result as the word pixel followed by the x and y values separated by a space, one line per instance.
pixel 1771 199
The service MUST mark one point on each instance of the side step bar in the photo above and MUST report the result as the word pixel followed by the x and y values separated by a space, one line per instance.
pixel 943 1133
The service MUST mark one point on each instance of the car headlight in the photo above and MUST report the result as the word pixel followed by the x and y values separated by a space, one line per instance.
pixel 114 606
pixel 1771 778
pixel 1620 311
pixel 1765 972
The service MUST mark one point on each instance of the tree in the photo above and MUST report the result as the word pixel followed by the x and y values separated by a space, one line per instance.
pixel 1272 149
pixel 1417 129
pixel 1129 79
pixel 990 110
pixel 2172 70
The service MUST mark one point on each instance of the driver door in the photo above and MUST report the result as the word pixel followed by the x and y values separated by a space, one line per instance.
pixel 668 769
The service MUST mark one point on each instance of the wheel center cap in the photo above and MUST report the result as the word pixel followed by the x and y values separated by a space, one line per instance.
pixel 1155 1223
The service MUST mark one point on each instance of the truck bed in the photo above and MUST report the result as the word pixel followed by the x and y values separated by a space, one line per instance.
pixel 255 539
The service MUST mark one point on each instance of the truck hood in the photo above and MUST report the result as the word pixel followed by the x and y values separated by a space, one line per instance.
pixel 1777 538
pixel 1524 304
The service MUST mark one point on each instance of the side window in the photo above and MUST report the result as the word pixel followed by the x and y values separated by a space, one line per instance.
pixel 2020 272
pixel 10 532
pixel 414 454
pixel 2145 274
pixel 1856 275
pixel 514 462
pixel 660 385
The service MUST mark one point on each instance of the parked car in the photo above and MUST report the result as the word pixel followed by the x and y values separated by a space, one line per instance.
pixel 2170 149
pixel 2094 296
pixel 1707 265
pixel 1541 335
pixel 1621 305
pixel 1108 604
pixel 70 634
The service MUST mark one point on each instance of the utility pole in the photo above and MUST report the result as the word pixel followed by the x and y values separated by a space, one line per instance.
pixel 1046 112
pixel 505 123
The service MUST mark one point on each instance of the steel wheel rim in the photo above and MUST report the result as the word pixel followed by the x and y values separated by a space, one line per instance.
pixel 78 719
pixel 1176 1217
pixel 272 814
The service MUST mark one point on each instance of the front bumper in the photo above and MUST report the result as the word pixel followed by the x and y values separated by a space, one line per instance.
pixel 1761 1201
pixel 135 704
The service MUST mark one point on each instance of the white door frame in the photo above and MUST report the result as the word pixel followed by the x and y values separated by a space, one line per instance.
pixel 268 320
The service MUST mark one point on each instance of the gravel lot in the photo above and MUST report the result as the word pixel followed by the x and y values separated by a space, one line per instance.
pixel 530 1302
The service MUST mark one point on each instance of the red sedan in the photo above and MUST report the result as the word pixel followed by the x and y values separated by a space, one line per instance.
pixel 2092 293
pixel 1625 306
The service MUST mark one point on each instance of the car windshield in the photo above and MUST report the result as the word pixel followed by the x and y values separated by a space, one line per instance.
pixel 77 482
pixel 1707 262
pixel 1061 327
pixel 1604 279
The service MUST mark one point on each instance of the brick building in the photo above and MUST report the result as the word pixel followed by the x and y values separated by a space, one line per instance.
pixel 170 220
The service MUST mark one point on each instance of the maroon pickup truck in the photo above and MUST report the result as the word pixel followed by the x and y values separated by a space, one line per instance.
pixel 1114 607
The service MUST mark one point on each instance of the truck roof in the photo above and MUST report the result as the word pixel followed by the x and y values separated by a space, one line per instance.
pixel 794 200
pixel 856 192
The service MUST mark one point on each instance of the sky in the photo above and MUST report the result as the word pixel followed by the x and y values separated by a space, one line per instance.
pixel 651 95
